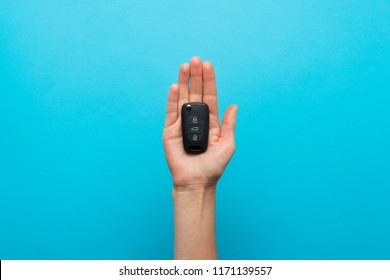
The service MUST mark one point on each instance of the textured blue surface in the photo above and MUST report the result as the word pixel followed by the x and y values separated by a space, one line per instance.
pixel 83 86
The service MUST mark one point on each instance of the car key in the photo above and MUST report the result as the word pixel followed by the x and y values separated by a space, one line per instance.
pixel 195 126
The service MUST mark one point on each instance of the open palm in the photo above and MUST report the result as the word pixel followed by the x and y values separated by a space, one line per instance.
pixel 197 83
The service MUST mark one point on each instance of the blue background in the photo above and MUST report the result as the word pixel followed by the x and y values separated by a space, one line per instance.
pixel 83 87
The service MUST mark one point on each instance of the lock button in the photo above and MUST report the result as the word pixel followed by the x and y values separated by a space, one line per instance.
pixel 194 120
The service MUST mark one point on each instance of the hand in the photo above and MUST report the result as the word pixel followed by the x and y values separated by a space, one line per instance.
pixel 191 171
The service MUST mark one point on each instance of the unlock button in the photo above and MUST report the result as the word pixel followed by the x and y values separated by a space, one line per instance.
pixel 195 137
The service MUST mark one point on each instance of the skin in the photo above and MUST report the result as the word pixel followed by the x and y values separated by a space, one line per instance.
pixel 195 176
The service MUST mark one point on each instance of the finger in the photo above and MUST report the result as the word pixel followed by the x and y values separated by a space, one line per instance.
pixel 184 74
pixel 229 123
pixel 196 82
pixel 210 92
pixel 172 113
pixel 210 87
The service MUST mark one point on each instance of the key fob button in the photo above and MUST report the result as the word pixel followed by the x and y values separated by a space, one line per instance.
pixel 194 120
pixel 194 129
pixel 195 137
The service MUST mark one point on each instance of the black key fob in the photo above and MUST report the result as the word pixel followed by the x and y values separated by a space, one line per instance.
pixel 195 126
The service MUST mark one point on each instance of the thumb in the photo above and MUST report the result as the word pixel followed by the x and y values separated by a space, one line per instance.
pixel 229 123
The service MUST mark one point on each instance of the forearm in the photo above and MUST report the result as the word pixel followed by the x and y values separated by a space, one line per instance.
pixel 194 213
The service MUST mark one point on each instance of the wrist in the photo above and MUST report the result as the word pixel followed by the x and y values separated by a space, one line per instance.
pixel 194 183
pixel 194 191
pixel 194 187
